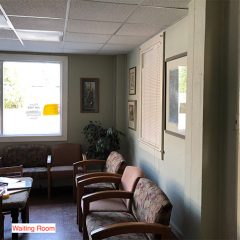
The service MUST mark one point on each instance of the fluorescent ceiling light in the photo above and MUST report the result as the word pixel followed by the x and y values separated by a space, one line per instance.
pixel 35 35
pixel 4 23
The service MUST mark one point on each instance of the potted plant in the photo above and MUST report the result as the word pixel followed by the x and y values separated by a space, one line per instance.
pixel 101 141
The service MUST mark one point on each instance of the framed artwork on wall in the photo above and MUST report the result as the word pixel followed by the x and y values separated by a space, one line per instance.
pixel 89 95
pixel 176 95
pixel 132 114
pixel 132 81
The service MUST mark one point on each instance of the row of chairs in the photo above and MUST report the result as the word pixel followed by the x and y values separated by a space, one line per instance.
pixel 112 193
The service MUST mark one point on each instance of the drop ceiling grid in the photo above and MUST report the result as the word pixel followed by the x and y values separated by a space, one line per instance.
pixel 94 26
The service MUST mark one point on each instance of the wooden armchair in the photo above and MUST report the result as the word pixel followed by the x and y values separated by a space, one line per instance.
pixel 148 216
pixel 127 182
pixel 60 163
pixel 114 164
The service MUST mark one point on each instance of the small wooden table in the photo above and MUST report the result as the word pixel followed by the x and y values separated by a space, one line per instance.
pixel 18 202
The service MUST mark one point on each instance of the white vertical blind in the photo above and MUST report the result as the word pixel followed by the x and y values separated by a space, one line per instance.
pixel 151 98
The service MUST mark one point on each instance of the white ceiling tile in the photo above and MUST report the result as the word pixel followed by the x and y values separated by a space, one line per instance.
pixel 80 51
pixel 157 16
pixel 7 34
pixel 83 37
pixel 118 47
pixel 89 46
pixel 29 23
pixel 10 45
pixel 38 8
pixel 138 29
pixel 92 27
pixel 133 40
pixel 43 46
pixel 118 1
pixel 86 10
pixel 168 3
pixel 111 52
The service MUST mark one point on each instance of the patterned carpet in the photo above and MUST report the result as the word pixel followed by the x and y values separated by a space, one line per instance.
pixel 60 210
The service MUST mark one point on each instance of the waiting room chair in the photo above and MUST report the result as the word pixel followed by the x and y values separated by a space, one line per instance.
pixel 148 216
pixel 114 164
pixel 127 182
pixel 60 163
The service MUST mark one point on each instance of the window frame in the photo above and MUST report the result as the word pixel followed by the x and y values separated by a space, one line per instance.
pixel 63 60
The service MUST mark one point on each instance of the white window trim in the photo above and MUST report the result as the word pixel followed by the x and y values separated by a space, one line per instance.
pixel 64 96
pixel 144 48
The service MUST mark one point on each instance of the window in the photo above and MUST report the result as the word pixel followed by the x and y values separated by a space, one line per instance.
pixel 151 93
pixel 33 97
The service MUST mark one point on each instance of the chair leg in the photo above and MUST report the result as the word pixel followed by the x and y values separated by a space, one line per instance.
pixel 25 214
pixel 2 227
pixel 49 186
pixel 14 215
pixel 74 190
pixel 79 210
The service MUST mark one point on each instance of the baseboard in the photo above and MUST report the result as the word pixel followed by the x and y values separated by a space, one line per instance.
pixel 176 231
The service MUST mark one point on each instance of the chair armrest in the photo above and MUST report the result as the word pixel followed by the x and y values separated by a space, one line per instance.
pixel 106 194
pixel 88 181
pixel 93 162
pixel 132 227
pixel 49 161
pixel 76 165
pixel 96 174
pixel 85 163
pixel 15 170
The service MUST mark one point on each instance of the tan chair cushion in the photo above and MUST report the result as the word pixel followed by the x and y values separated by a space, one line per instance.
pixel 130 177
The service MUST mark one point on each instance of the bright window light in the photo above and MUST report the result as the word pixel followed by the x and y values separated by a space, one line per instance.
pixel 33 102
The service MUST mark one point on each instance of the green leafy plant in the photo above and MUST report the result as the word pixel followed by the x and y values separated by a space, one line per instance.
pixel 101 141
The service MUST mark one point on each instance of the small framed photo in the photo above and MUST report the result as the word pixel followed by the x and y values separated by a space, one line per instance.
pixel 132 81
pixel 132 114
pixel 89 95
pixel 176 95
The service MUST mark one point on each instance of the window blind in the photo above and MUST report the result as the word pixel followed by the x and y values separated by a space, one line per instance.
pixel 151 94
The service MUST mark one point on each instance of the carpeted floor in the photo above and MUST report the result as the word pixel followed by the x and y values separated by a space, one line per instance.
pixel 60 210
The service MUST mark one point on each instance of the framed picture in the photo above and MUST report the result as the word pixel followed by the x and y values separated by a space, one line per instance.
pixel 89 95
pixel 176 94
pixel 132 81
pixel 132 114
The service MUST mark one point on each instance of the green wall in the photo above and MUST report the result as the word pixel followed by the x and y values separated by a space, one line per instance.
pixel 102 67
